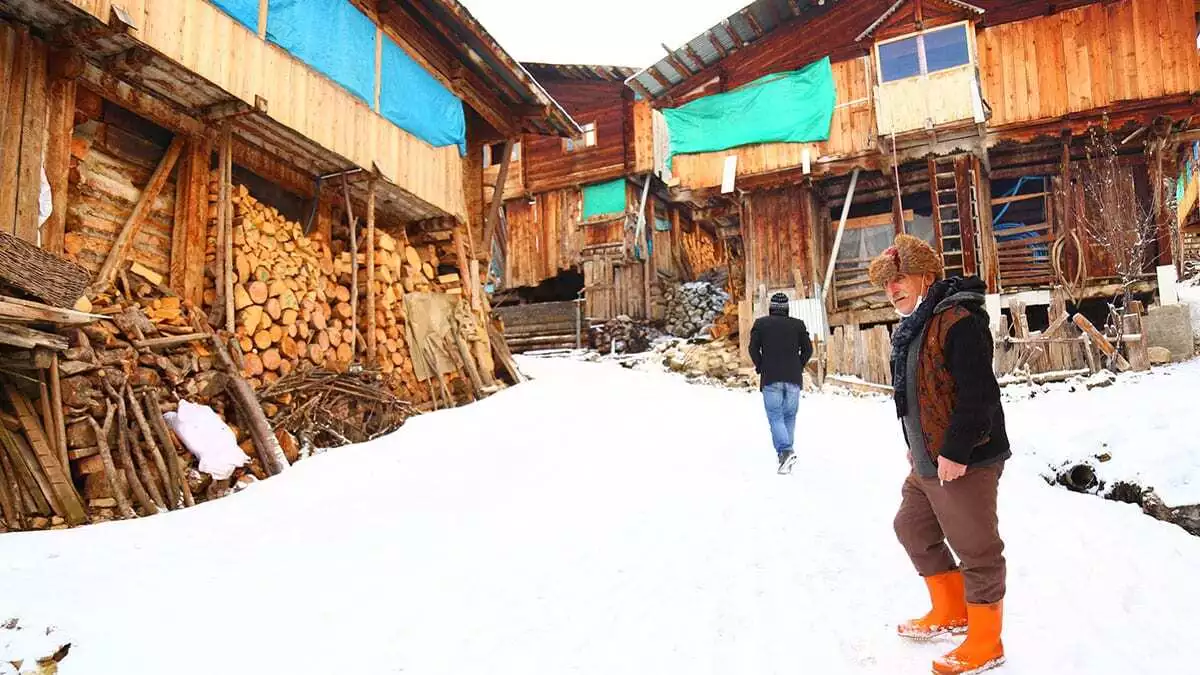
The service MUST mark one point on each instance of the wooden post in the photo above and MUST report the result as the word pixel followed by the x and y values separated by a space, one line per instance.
pixel 837 240
pixel 124 240
pixel 110 468
pixel 1098 339
pixel 56 407
pixel 58 159
pixel 262 18
pixel 227 226
pixel 1135 337
pixel 371 346
pixel 493 212
pixel 353 268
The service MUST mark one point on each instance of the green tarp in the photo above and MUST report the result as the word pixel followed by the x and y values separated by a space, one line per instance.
pixel 604 198
pixel 790 107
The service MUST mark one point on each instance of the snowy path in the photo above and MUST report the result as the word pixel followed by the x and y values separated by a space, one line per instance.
pixel 511 537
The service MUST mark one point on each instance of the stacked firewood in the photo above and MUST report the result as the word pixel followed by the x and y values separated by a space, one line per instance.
pixel 289 307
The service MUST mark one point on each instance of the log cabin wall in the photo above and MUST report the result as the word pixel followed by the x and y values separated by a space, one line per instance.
pixel 544 236
pixel 1088 58
pixel 114 152
pixel 548 164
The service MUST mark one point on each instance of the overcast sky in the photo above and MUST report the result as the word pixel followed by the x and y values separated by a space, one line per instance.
pixel 611 33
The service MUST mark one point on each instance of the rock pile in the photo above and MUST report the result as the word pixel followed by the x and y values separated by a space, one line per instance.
pixel 621 335
pixel 693 307
pixel 716 361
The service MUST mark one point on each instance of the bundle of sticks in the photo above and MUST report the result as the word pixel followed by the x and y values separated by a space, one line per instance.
pixel 322 409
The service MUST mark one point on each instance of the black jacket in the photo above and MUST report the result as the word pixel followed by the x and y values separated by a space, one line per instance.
pixel 780 348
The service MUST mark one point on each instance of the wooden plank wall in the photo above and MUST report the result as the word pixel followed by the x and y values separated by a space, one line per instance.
pixel 203 39
pixel 114 153
pixel 544 238
pixel 852 132
pixel 643 137
pixel 860 352
pixel 776 225
pixel 549 167
pixel 23 118
pixel 1087 58
pixel 612 286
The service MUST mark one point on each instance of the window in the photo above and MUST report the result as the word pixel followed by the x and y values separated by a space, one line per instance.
pixel 587 140
pixel 924 53
pixel 494 151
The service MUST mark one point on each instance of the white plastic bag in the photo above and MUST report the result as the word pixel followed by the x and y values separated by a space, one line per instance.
pixel 208 438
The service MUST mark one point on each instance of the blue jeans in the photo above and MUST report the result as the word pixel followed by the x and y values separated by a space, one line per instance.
pixel 782 399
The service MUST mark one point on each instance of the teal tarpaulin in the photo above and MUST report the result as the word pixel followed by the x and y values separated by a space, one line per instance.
pixel 244 11
pixel 415 101
pixel 604 198
pixel 329 35
pixel 790 107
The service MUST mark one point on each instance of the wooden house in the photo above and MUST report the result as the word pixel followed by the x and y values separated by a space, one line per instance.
pixel 583 218
pixel 966 123
pixel 159 132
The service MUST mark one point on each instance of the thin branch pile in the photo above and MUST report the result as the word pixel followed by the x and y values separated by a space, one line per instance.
pixel 320 408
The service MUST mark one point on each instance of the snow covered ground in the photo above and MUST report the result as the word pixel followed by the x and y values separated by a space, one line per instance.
pixel 599 520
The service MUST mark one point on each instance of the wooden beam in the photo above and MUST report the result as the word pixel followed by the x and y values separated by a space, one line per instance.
pixel 733 34
pixel 641 89
pixel 124 241
pixel 263 7
pixel 716 44
pixel 352 223
pixel 837 241
pixel 152 108
pixel 493 212
pixel 748 15
pixel 371 342
pixel 226 224
pixel 59 133
pixel 58 476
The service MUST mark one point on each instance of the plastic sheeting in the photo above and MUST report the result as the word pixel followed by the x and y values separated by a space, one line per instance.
pixel 415 101
pixel 789 107
pixel 207 436
pixel 604 198
pixel 244 12
pixel 332 36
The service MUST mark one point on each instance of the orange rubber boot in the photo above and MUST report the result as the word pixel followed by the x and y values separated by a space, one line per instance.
pixel 949 613
pixel 982 650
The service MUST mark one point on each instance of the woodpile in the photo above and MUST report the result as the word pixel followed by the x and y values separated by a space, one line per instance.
pixel 290 308
pixel 318 408
pixel 84 439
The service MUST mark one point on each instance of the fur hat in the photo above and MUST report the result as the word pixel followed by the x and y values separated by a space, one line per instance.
pixel 779 304
pixel 908 255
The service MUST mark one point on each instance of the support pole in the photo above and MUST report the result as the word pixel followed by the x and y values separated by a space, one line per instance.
pixel 371 346
pixel 357 342
pixel 837 240
pixel 493 214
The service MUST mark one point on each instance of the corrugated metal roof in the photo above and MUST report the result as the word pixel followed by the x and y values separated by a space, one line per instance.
pixel 481 52
pixel 578 71
pixel 746 26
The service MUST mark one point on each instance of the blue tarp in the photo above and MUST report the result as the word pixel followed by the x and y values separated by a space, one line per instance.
pixel 415 101
pixel 244 11
pixel 329 35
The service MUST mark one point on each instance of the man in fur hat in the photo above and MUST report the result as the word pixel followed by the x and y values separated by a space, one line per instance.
pixel 948 402
pixel 780 348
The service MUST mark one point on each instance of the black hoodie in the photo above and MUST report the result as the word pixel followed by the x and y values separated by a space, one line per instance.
pixel 780 348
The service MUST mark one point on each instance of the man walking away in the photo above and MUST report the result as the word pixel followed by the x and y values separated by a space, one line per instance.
pixel 780 348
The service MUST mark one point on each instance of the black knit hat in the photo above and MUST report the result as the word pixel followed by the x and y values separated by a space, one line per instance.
pixel 779 304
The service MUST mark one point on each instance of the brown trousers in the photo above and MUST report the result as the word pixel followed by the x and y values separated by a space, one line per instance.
pixel 963 512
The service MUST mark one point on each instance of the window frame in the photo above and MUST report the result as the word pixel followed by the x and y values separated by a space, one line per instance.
pixel 580 143
pixel 489 160
pixel 922 59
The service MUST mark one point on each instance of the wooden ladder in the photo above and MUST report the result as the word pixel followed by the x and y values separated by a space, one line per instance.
pixel 956 244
